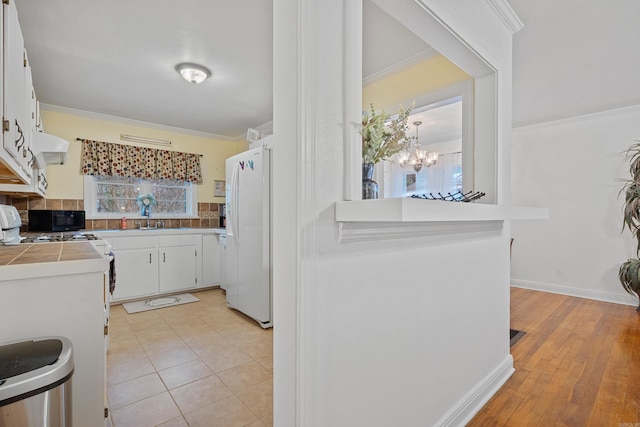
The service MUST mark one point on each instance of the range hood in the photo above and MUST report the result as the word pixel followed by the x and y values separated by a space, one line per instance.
pixel 49 149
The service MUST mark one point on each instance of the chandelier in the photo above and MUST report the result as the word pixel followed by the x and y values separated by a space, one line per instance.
pixel 418 157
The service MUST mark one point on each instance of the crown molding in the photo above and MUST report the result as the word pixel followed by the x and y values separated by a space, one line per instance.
pixel 507 15
pixel 402 65
pixel 578 118
pixel 100 116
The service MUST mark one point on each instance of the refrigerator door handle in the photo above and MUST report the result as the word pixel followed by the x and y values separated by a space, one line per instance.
pixel 235 178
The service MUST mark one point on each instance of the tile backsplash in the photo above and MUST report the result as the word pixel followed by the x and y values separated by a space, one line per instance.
pixel 208 213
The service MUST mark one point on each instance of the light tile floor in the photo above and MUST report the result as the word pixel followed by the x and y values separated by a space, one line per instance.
pixel 197 364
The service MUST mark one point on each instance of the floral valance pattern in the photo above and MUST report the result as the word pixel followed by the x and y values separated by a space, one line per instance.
pixel 109 159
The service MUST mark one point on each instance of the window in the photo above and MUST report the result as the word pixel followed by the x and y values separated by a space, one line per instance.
pixel 481 136
pixel 443 132
pixel 115 197
pixel 444 177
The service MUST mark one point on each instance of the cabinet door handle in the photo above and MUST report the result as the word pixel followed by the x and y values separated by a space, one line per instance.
pixel 164 257
pixel 149 257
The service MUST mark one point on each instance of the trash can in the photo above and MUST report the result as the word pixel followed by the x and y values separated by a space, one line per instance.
pixel 35 382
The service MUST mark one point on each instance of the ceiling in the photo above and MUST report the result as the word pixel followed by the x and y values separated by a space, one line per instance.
pixel 117 58
pixel 574 57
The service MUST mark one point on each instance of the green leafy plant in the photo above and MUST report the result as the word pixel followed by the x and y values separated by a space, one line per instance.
pixel 381 136
pixel 629 272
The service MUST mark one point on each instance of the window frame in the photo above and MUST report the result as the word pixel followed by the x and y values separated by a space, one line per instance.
pixel 465 91
pixel 91 197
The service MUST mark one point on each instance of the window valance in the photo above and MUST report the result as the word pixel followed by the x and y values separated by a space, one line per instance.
pixel 110 159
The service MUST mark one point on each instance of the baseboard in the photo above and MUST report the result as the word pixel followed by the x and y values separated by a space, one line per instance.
pixel 469 406
pixel 576 292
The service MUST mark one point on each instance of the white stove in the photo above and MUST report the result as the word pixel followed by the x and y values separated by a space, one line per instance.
pixel 10 223
pixel 60 237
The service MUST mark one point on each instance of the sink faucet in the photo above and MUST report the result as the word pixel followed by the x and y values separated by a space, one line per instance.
pixel 146 211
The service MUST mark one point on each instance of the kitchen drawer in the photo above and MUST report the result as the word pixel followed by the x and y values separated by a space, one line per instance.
pixel 143 242
pixel 180 240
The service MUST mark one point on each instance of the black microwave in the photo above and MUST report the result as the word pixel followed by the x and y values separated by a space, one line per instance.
pixel 54 220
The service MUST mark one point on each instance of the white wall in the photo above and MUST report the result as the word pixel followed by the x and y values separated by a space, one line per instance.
pixel 573 167
pixel 410 332
pixel 407 330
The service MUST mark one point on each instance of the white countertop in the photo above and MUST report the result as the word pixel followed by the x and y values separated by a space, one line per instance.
pixel 156 232
pixel 27 261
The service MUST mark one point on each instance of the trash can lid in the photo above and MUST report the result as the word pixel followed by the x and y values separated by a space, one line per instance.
pixel 27 356
pixel 31 367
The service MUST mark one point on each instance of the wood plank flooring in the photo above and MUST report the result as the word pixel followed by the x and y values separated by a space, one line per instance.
pixel 577 365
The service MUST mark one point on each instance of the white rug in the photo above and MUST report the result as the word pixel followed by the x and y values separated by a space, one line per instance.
pixel 159 302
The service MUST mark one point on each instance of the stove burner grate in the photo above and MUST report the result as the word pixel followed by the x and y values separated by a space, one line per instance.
pixel 60 238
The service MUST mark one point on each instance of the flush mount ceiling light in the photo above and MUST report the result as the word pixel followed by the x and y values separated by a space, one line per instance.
pixel 193 73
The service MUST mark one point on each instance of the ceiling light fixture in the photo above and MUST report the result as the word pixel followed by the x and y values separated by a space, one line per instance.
pixel 418 157
pixel 193 73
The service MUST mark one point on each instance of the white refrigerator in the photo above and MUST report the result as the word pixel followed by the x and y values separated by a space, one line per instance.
pixel 247 278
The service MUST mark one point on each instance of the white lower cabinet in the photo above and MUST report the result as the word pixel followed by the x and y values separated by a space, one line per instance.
pixel 136 266
pixel 177 256
pixel 58 304
pixel 137 273
pixel 158 264
pixel 211 267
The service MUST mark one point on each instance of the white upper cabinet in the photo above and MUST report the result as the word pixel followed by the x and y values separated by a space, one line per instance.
pixel 16 157
pixel 21 171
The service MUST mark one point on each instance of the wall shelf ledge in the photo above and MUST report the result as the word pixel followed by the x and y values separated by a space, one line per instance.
pixel 403 218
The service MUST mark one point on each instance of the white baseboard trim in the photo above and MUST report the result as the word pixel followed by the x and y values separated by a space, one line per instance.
pixel 469 406
pixel 576 292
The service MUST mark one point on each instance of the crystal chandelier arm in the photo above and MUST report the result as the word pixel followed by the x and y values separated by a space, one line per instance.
pixel 418 157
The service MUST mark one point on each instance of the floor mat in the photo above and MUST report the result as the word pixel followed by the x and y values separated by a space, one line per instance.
pixel 159 302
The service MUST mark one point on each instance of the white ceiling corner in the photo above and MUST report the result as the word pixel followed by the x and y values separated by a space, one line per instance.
pixel 507 15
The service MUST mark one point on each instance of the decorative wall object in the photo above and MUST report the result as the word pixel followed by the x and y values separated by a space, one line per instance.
pixel 410 182
pixel 457 196
pixel 219 188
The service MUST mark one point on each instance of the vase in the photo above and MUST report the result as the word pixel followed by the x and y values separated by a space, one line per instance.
pixel 369 186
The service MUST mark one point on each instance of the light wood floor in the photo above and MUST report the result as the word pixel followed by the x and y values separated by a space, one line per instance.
pixel 577 365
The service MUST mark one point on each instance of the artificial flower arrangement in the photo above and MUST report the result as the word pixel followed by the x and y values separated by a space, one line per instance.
pixel 145 202
pixel 382 137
